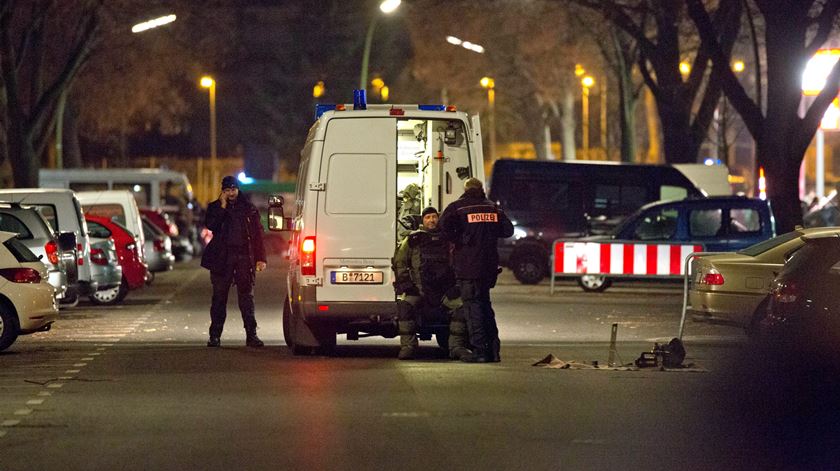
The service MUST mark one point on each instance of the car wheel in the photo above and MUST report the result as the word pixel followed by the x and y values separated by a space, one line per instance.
pixel 8 327
pixel 594 283
pixel 327 338
pixel 69 302
pixel 528 267
pixel 151 278
pixel 287 326
pixel 105 297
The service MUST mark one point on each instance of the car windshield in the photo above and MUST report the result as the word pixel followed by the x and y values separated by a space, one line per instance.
pixel 761 247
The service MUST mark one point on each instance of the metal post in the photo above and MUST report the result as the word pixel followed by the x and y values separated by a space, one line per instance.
pixel 686 277
pixel 213 166
pixel 366 54
pixel 613 352
pixel 820 167
pixel 585 123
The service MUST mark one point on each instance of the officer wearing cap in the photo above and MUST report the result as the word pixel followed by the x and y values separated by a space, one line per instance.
pixel 232 256
pixel 425 283
pixel 474 224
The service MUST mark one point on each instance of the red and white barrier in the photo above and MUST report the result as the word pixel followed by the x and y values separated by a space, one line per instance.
pixel 622 259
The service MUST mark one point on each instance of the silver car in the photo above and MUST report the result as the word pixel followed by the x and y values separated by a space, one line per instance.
pixel 38 236
pixel 158 248
pixel 105 267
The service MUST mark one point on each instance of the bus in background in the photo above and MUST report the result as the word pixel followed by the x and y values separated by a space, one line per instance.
pixel 153 188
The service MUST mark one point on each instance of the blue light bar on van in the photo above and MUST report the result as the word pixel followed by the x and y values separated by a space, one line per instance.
pixel 359 100
pixel 431 107
pixel 323 108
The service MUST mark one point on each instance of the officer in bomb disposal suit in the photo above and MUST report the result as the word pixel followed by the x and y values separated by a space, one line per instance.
pixel 425 283
pixel 474 224
pixel 232 256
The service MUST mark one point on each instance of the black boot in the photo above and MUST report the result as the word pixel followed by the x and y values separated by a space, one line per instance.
pixel 495 349
pixel 479 355
pixel 214 342
pixel 252 340
pixel 408 339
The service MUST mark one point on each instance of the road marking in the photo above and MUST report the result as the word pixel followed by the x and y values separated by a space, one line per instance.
pixel 23 412
pixel 87 359
pixel 405 414
pixel 65 377
pixel 9 423
pixel 34 402
pixel 95 353
pixel 55 385
pixel 45 393
pixel 72 371
pixel 79 364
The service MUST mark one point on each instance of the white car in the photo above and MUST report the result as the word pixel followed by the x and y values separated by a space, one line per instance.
pixel 27 300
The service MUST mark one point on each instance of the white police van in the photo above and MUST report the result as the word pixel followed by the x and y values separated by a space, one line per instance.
pixel 356 161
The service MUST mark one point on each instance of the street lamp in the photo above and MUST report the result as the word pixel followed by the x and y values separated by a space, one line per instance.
pixel 210 84
pixel 387 7
pixel 319 89
pixel 147 25
pixel 490 85
pixel 587 82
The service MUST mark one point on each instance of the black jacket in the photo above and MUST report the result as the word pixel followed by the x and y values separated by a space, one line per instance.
pixel 216 219
pixel 474 224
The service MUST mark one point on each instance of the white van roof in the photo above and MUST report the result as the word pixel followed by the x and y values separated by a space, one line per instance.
pixel 36 191
pixel 95 196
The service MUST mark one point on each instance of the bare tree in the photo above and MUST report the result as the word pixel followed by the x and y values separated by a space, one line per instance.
pixel 43 46
pixel 685 102
pixel 793 31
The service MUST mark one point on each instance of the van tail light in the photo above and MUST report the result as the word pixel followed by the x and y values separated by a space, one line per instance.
pixel 81 260
pixel 52 251
pixel 21 275
pixel 98 257
pixel 307 256
pixel 158 245
pixel 785 292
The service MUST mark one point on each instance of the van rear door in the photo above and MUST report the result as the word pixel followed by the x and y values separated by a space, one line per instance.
pixel 355 230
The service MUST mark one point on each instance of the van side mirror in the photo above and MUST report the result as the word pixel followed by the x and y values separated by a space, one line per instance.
pixel 276 220
pixel 67 241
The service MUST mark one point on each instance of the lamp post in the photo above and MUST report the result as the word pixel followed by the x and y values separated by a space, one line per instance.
pixel 210 84
pixel 387 7
pixel 490 85
pixel 587 82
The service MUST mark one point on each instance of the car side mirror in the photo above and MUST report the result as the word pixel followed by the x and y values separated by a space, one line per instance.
pixel 276 220
pixel 67 241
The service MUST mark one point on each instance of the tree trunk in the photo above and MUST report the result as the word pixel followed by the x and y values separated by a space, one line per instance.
pixel 627 119
pixel 23 159
pixel 567 126
pixel 676 136
pixel 653 152
pixel 72 150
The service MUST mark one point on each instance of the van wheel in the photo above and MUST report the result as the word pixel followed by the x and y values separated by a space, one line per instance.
pixel 69 302
pixel 8 327
pixel 442 339
pixel 528 267
pixel 594 283
pixel 288 336
pixel 326 336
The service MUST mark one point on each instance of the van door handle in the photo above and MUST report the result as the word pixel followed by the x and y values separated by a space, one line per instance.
pixel 448 183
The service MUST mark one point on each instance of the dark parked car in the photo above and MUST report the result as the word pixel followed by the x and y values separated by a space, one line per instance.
pixel 804 306
pixel 552 200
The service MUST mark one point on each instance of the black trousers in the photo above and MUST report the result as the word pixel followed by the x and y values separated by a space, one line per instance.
pixel 479 314
pixel 240 271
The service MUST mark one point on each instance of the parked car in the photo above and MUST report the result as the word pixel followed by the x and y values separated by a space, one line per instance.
pixel 182 247
pixel 134 268
pixel 804 308
pixel 117 205
pixel 552 200
pixel 27 300
pixel 733 288
pixel 158 249
pixel 106 267
pixel 37 235
pixel 61 209
pixel 715 224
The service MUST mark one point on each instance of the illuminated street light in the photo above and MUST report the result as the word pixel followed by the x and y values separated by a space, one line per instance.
pixel 147 25
pixel 387 7
pixel 813 81
pixel 738 66
pixel 587 82
pixel 579 70
pixel 468 45
pixel 490 85
pixel 210 84
pixel 685 68
pixel 319 89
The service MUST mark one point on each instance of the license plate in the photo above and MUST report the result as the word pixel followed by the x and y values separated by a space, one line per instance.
pixel 356 277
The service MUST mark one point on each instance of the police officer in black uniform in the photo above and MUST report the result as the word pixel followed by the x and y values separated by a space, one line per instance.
pixel 232 256
pixel 474 224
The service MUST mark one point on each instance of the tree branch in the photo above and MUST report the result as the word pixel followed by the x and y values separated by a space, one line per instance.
pixel 750 113
pixel 825 20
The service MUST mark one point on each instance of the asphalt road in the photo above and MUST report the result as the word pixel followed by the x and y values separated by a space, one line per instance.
pixel 134 387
